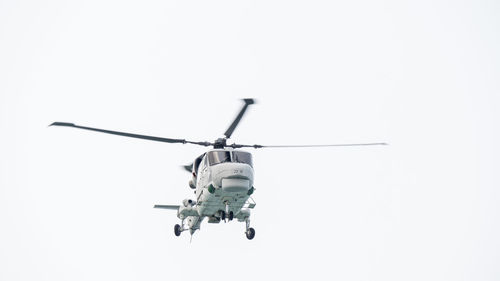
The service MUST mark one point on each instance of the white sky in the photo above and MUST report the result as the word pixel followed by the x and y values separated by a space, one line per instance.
pixel 421 75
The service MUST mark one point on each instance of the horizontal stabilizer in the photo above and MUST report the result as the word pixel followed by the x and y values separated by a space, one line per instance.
pixel 170 207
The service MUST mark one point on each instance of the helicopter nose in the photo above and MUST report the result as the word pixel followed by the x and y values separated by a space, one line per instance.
pixel 235 185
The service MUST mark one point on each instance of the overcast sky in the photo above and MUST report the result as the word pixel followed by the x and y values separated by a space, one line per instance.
pixel 421 75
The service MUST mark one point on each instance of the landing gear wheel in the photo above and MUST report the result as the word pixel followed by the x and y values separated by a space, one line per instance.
pixel 231 216
pixel 177 230
pixel 222 215
pixel 250 233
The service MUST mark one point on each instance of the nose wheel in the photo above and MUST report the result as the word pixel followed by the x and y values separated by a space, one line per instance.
pixel 226 214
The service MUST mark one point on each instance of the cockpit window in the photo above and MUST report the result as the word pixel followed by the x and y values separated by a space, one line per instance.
pixel 217 157
pixel 242 157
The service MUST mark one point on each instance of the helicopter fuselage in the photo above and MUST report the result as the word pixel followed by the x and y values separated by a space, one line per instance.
pixel 231 184
pixel 222 177
pixel 224 182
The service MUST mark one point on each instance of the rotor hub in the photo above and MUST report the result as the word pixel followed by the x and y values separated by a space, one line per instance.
pixel 220 143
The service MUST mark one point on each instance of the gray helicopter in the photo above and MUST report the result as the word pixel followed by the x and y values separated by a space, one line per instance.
pixel 222 177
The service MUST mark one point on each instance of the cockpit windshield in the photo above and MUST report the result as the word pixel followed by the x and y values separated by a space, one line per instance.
pixel 242 157
pixel 217 157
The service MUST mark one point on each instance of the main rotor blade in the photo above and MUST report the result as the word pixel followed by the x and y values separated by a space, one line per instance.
pixel 130 135
pixel 234 145
pixel 237 120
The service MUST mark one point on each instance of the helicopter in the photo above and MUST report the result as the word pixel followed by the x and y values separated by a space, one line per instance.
pixel 222 178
